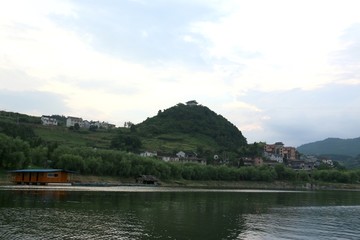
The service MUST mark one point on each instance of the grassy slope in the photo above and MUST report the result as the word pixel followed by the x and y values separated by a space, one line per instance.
pixel 178 141
pixel 102 138
pixel 61 135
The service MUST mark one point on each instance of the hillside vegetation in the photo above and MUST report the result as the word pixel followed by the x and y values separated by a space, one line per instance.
pixel 190 127
pixel 344 151
pixel 25 143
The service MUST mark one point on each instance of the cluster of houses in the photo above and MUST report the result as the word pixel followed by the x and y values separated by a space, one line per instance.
pixel 183 157
pixel 72 121
pixel 290 156
pixel 273 154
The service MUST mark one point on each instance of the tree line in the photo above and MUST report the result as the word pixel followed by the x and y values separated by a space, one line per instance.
pixel 16 153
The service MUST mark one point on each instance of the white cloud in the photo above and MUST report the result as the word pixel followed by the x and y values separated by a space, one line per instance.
pixel 282 44
pixel 217 59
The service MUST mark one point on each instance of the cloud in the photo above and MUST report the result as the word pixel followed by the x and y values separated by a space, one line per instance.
pixel 35 103
pixel 347 60
pixel 142 31
pixel 276 69
pixel 17 80
pixel 299 116
pixel 281 47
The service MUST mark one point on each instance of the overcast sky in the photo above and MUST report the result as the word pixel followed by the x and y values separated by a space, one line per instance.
pixel 279 70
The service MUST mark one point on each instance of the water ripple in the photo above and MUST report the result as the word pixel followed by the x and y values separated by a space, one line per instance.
pixel 330 222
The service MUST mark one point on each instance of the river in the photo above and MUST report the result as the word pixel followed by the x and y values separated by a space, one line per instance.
pixel 175 213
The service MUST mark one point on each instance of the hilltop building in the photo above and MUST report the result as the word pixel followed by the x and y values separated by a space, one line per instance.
pixel 192 103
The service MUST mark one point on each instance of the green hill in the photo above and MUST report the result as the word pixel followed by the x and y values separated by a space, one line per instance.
pixel 189 127
pixel 179 128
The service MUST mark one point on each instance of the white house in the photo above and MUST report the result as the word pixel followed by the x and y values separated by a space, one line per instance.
pixel 86 124
pixel 148 154
pixel 71 121
pixel 275 157
pixel 181 154
pixel 47 120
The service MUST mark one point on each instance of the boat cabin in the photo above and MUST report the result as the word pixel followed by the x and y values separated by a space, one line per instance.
pixel 41 176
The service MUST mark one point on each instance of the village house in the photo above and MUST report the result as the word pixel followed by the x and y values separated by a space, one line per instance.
pixel 167 158
pixel 257 161
pixel 278 149
pixel 107 125
pixel 148 154
pixel 193 160
pixel 181 154
pixel 274 157
pixel 48 121
pixel 190 157
pixel 71 121
pixel 327 162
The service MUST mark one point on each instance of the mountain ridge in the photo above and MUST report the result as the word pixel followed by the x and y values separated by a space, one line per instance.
pixel 332 145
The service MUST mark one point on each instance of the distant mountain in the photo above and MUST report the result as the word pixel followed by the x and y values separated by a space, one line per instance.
pixel 334 146
pixel 193 120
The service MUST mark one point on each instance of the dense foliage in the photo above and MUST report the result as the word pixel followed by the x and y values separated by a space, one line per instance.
pixel 16 153
pixel 22 131
pixel 194 120
pixel 19 117
pixel 20 147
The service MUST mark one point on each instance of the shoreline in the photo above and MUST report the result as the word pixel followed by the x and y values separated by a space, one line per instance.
pixel 187 185
pixel 84 181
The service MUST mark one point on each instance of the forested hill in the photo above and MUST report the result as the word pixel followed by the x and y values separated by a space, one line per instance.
pixel 348 147
pixel 194 120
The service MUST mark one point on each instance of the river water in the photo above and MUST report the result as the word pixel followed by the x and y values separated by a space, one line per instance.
pixel 174 213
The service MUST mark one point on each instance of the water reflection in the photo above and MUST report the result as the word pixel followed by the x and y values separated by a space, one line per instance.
pixel 329 222
pixel 177 214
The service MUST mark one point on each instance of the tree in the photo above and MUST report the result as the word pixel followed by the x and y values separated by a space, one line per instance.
pixel 93 128
pixel 76 126
pixel 132 128
pixel 128 124
pixel 126 142
pixel 14 152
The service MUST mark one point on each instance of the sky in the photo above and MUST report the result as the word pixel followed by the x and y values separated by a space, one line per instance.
pixel 279 70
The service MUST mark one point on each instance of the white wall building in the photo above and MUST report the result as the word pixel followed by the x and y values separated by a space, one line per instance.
pixel 47 120
pixel 71 121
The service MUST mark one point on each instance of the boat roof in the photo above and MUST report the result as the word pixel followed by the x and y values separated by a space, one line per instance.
pixel 40 170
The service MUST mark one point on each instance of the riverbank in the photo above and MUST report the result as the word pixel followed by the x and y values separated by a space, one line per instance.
pixel 90 180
